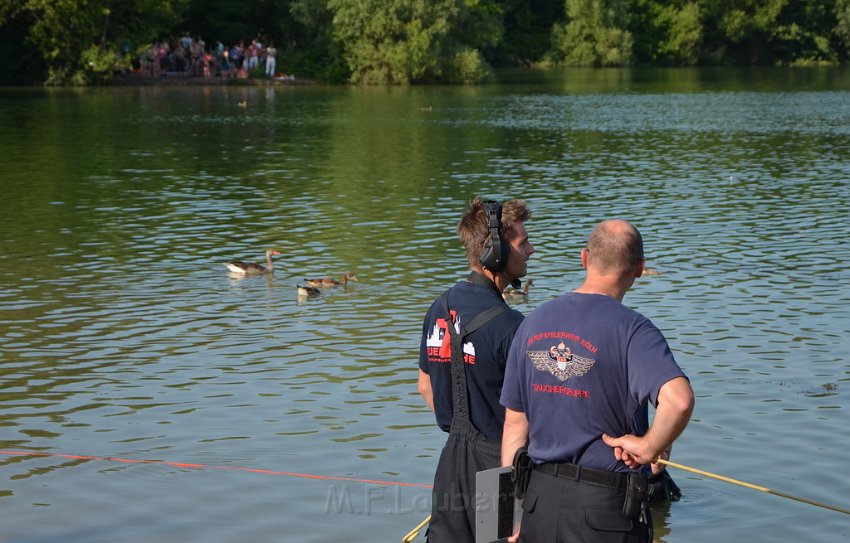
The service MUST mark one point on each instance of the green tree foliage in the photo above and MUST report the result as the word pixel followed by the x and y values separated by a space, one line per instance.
pixel 408 41
pixel 391 41
pixel 20 63
pixel 62 30
pixel 666 33
pixel 842 26
pixel 527 31
pixel 421 41
pixel 684 34
pixel 230 22
pixel 773 31
pixel 802 34
pixel 80 41
pixel 310 44
pixel 738 31
pixel 594 35
pixel 227 22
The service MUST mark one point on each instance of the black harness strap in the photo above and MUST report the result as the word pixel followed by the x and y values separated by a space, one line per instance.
pixel 460 394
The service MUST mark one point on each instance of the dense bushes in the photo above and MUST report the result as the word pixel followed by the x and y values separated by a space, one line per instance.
pixel 422 41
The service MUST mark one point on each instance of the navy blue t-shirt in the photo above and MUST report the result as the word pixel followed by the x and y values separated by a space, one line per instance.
pixel 582 365
pixel 485 353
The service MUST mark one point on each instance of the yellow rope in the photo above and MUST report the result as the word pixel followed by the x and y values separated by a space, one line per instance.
pixel 415 532
pixel 754 487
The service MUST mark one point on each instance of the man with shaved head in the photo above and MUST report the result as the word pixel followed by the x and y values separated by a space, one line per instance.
pixel 580 375
pixel 617 245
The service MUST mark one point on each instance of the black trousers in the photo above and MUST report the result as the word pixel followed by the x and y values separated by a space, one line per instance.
pixel 453 497
pixel 558 510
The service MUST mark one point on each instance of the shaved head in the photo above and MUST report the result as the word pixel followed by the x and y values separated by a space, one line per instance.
pixel 614 246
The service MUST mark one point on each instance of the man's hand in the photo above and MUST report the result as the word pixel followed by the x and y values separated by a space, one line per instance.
pixel 675 404
pixel 658 467
pixel 632 450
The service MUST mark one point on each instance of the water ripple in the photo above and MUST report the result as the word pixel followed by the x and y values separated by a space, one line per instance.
pixel 122 334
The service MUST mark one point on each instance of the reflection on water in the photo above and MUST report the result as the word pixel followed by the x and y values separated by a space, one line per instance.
pixel 122 335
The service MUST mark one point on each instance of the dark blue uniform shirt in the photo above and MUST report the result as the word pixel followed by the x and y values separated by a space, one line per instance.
pixel 582 365
pixel 485 353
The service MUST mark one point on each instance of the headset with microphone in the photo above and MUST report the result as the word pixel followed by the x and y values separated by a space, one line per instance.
pixel 496 250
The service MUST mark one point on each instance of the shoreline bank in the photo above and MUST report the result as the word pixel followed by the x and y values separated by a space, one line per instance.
pixel 182 79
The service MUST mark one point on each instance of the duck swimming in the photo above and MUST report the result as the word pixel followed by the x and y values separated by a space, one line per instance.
pixel 306 291
pixel 330 282
pixel 517 294
pixel 252 268
pixel 649 271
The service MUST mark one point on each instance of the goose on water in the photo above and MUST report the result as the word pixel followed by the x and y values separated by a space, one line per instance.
pixel 517 294
pixel 252 268
pixel 330 282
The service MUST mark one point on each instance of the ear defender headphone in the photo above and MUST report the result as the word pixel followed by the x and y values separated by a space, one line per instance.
pixel 495 255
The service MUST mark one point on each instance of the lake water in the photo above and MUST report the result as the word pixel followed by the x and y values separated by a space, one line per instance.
pixel 169 401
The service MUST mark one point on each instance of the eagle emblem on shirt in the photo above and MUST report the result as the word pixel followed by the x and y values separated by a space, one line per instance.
pixel 560 361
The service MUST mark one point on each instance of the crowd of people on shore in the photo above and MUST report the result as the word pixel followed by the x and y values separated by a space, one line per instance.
pixel 190 56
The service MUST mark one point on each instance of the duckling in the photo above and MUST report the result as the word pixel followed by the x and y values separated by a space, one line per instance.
pixel 306 291
pixel 330 282
pixel 649 271
pixel 517 294
pixel 243 103
pixel 252 268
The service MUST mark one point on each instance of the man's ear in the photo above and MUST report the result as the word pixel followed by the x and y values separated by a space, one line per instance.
pixel 640 267
pixel 584 258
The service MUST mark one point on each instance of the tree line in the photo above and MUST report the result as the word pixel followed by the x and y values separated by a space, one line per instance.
pixel 421 41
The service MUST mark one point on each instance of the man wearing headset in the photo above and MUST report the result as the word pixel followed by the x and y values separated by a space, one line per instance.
pixel 466 337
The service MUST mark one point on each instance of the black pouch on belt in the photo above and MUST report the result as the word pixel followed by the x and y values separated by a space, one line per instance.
pixel 636 496
pixel 521 472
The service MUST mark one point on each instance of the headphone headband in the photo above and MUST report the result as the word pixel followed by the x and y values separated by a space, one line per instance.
pixel 496 250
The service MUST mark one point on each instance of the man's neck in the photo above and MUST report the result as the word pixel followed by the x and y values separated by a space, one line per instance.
pixel 498 279
pixel 605 288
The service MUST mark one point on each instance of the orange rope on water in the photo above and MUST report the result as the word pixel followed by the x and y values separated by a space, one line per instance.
pixel 208 466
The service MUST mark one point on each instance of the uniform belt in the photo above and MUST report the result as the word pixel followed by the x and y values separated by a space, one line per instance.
pixel 567 470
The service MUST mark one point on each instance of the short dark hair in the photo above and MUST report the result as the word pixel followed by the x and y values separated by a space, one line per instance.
pixel 473 228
